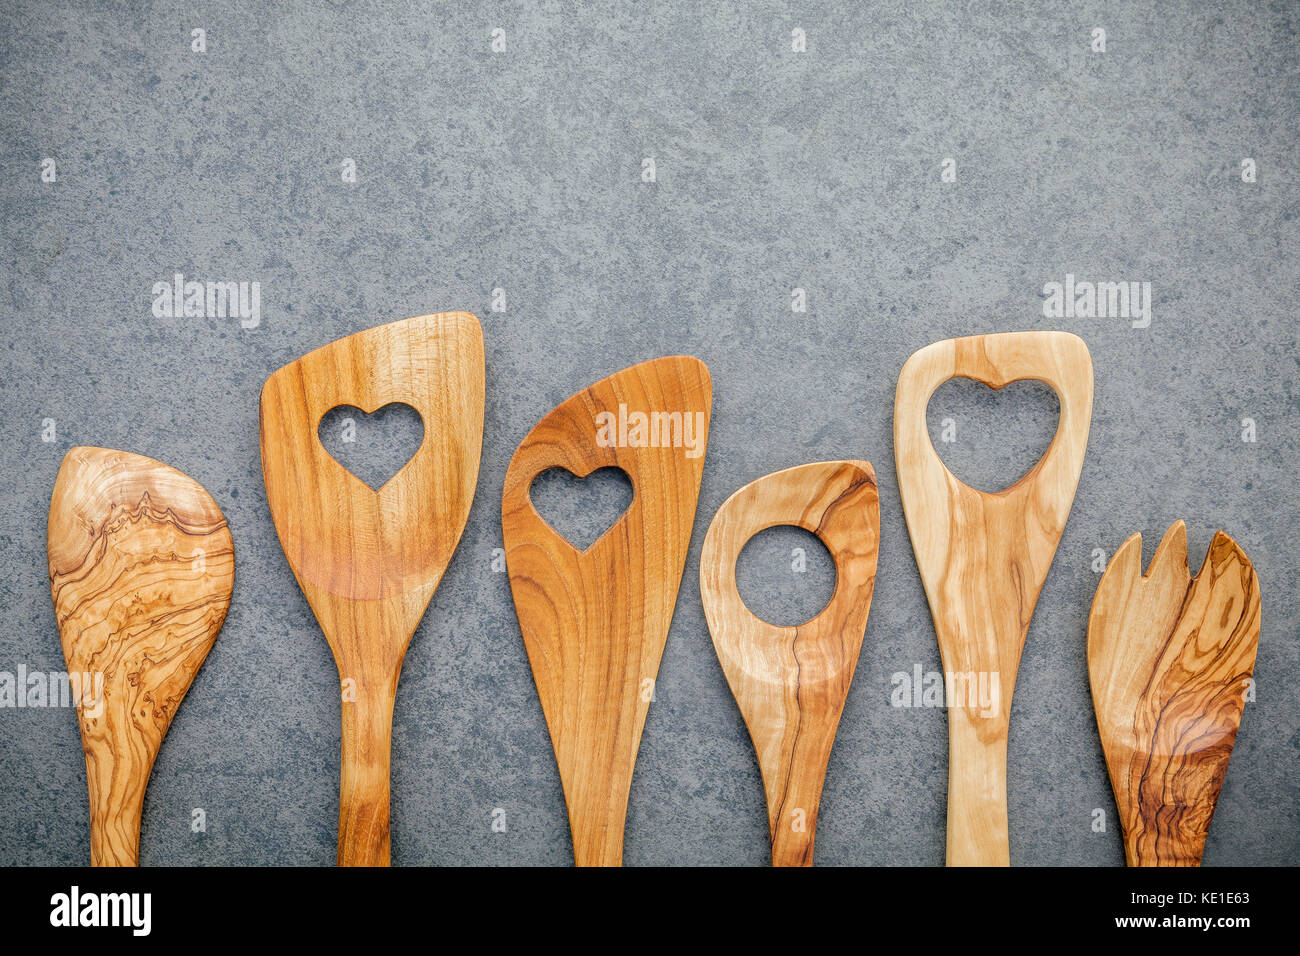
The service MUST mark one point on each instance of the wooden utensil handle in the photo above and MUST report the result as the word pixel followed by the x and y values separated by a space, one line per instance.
pixel 977 789
pixel 117 802
pixel 365 776
pixel 597 829
pixel 793 818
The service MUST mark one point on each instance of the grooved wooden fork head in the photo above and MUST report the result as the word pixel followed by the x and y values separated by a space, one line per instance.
pixel 1170 659
pixel 141 571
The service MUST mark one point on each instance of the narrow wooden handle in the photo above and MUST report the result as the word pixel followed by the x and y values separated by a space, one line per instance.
pixel 597 827
pixel 116 806
pixel 793 813
pixel 365 776
pixel 791 682
pixel 977 789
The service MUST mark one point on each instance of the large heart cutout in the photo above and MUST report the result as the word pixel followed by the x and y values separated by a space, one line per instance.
pixel 372 447
pixel 580 510
pixel 988 438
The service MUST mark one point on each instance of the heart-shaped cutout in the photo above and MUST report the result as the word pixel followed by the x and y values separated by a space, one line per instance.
pixel 989 438
pixel 372 447
pixel 580 510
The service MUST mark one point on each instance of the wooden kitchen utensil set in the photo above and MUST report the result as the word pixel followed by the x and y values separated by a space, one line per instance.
pixel 142 567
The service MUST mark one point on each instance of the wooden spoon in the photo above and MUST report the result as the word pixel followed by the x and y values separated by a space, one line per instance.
pixel 791 682
pixel 1170 659
pixel 141 570
pixel 983 557
pixel 369 561
pixel 594 622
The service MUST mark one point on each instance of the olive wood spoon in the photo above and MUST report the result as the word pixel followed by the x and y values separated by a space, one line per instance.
pixel 141 570
pixel 791 682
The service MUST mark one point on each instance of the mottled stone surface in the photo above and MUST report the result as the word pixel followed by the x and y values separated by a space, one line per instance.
pixel 775 170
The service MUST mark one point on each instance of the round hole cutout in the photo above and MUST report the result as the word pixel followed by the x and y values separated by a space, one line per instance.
pixel 785 575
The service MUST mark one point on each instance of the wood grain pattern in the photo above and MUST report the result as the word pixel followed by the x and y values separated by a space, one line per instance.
pixel 1170 657
pixel 141 570
pixel 595 622
pixel 791 682
pixel 369 560
pixel 983 557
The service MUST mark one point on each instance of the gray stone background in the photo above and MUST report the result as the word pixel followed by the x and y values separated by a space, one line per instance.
pixel 775 170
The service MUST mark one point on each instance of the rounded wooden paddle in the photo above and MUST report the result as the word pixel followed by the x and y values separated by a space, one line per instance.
pixel 983 558
pixel 141 571
pixel 594 622
pixel 1170 658
pixel 791 682
pixel 369 560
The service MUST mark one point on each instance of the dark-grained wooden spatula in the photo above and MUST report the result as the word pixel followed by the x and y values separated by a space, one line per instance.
pixel 594 622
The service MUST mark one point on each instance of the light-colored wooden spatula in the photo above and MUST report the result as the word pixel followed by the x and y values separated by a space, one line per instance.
pixel 1170 659
pixel 141 571
pixel 369 561
pixel 983 557
pixel 594 622
pixel 791 682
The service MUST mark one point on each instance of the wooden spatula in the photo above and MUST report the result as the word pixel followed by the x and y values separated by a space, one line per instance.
pixel 983 557
pixel 369 561
pixel 141 570
pixel 791 682
pixel 1170 659
pixel 594 622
